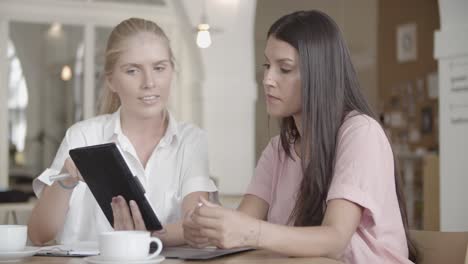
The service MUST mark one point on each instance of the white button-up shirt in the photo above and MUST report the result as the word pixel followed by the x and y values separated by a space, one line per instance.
pixel 178 166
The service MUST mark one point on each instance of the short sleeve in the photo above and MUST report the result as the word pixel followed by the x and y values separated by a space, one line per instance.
pixel 364 165
pixel 196 176
pixel 261 183
pixel 72 139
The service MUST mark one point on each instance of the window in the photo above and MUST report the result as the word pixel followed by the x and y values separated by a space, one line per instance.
pixel 17 101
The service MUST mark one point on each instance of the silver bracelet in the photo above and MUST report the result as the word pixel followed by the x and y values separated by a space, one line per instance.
pixel 67 187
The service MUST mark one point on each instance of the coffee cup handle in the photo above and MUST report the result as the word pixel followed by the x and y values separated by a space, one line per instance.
pixel 158 251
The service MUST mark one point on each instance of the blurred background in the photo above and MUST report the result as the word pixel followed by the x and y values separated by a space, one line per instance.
pixel 411 58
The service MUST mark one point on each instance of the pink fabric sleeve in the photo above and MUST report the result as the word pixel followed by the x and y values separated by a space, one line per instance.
pixel 261 183
pixel 363 165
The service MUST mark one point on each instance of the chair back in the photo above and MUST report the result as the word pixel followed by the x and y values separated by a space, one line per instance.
pixel 441 247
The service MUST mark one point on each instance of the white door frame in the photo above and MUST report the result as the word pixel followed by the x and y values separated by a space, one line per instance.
pixel 4 146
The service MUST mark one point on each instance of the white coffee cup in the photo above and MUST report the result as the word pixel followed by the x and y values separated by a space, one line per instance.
pixel 13 238
pixel 128 245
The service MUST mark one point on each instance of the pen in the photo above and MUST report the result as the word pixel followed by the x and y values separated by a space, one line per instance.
pixel 59 176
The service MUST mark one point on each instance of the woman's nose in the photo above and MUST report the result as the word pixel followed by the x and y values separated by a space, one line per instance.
pixel 149 85
pixel 267 80
pixel 149 81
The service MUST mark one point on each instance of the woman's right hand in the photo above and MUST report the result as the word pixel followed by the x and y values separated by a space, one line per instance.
pixel 192 234
pixel 69 167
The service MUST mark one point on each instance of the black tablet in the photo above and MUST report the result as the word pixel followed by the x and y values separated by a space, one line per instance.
pixel 107 175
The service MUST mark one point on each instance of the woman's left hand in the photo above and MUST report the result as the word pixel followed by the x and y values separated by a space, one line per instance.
pixel 126 216
pixel 226 228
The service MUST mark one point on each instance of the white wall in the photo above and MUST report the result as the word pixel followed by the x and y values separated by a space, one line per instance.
pixel 451 50
pixel 229 90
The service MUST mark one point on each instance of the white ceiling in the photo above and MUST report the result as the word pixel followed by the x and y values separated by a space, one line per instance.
pixel 146 2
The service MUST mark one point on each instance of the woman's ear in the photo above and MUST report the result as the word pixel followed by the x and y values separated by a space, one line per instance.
pixel 108 83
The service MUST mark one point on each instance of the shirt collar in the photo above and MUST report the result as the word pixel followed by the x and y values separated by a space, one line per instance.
pixel 114 131
pixel 172 131
pixel 112 128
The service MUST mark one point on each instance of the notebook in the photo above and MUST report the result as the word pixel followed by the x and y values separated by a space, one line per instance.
pixel 82 249
pixel 189 253
pixel 85 249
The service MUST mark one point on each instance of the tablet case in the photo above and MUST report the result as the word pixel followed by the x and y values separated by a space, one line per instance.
pixel 107 175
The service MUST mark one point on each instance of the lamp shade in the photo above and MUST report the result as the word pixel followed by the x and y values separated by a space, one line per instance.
pixel 203 36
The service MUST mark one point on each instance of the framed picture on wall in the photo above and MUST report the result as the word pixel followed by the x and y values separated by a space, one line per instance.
pixel 406 37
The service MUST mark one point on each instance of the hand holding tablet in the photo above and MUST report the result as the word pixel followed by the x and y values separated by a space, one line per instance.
pixel 107 175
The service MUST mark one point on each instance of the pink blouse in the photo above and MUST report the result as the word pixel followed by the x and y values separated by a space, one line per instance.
pixel 363 174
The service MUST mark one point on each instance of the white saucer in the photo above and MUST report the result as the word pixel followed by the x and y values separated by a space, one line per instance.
pixel 18 255
pixel 101 260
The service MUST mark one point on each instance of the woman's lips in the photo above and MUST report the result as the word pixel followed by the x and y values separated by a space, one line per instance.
pixel 272 98
pixel 149 99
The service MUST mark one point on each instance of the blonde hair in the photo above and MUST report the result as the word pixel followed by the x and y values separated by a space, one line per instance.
pixel 110 102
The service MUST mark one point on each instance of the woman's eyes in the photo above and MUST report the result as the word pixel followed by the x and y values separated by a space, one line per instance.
pixel 267 66
pixel 159 68
pixel 131 71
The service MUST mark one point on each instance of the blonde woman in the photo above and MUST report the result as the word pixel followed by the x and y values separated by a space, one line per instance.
pixel 169 158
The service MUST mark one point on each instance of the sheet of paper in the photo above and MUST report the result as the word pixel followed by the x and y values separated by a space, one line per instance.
pixel 78 249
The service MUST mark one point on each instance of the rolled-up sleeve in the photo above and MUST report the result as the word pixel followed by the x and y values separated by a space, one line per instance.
pixel 54 169
pixel 196 177
pixel 73 138
pixel 363 161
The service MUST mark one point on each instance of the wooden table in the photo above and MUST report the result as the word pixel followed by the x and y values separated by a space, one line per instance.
pixel 256 256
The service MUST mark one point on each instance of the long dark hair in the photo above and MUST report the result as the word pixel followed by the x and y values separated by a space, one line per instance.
pixel 330 90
